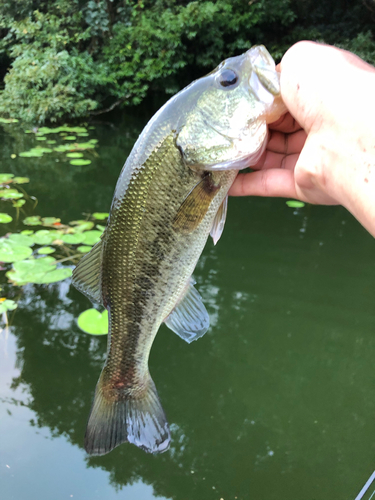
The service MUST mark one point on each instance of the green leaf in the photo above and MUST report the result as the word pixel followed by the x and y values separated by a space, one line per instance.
pixel 51 141
pixel 62 148
pixel 46 250
pixel 74 155
pixel 41 138
pixel 7 305
pixel 34 220
pixel 5 178
pixel 73 239
pixel 10 252
pixel 19 203
pixel 21 180
pixel 93 322
pixel 49 221
pixel 21 239
pixel 295 204
pixel 84 226
pixel 84 145
pixel 91 237
pixel 84 248
pixel 5 218
pixel 56 275
pixel 70 138
pixel 33 153
pixel 10 194
pixel 43 237
pixel 8 120
pixel 100 215
pixel 80 162
pixel 100 227
pixel 40 271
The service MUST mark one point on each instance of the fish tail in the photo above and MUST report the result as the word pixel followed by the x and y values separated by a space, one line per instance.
pixel 135 419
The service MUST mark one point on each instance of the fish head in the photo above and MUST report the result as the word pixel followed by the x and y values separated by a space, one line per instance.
pixel 226 127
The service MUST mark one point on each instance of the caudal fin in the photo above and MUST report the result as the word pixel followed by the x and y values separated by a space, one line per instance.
pixel 140 421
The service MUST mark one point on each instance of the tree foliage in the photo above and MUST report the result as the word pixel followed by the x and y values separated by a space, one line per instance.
pixel 71 58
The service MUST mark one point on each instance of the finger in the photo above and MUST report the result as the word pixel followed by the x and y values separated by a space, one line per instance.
pixel 273 182
pixel 286 123
pixel 287 143
pixel 277 160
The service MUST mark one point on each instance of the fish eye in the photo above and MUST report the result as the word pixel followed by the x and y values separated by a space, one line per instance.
pixel 228 78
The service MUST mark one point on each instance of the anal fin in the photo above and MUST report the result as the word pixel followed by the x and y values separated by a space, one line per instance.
pixel 189 319
pixel 86 276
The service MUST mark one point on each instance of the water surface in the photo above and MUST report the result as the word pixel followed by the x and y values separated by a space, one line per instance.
pixel 275 402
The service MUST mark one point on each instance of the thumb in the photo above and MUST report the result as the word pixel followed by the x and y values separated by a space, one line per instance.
pixel 310 79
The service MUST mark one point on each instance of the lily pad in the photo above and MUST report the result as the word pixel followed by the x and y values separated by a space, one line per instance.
pixel 49 221
pixel 40 271
pixel 10 252
pixel 19 203
pixel 57 275
pixel 51 141
pixel 33 153
pixel 62 148
pixel 80 162
pixel 5 178
pixel 46 250
pixel 84 145
pixel 100 215
pixel 91 237
pixel 70 138
pixel 10 194
pixel 5 218
pixel 93 322
pixel 43 237
pixel 295 204
pixel 100 227
pixel 84 248
pixel 41 138
pixel 7 305
pixel 34 220
pixel 21 239
pixel 21 180
pixel 74 155
pixel 73 239
pixel 84 226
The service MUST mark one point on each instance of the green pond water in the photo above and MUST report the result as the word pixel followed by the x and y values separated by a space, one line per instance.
pixel 275 402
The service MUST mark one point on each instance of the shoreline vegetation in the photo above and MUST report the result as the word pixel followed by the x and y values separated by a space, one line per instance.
pixel 71 59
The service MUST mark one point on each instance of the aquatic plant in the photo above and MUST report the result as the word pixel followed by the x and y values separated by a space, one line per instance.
pixel 25 253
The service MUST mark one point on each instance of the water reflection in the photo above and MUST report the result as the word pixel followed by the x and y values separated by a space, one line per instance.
pixel 274 402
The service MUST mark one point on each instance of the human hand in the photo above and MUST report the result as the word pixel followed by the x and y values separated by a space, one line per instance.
pixel 323 150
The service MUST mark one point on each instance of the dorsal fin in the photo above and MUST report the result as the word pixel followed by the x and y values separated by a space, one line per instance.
pixel 86 276
pixel 189 319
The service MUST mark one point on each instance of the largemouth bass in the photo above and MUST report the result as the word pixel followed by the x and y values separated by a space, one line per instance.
pixel 171 194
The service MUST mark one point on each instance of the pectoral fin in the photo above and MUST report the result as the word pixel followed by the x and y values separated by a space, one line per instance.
pixel 86 276
pixel 189 319
pixel 195 205
pixel 219 221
